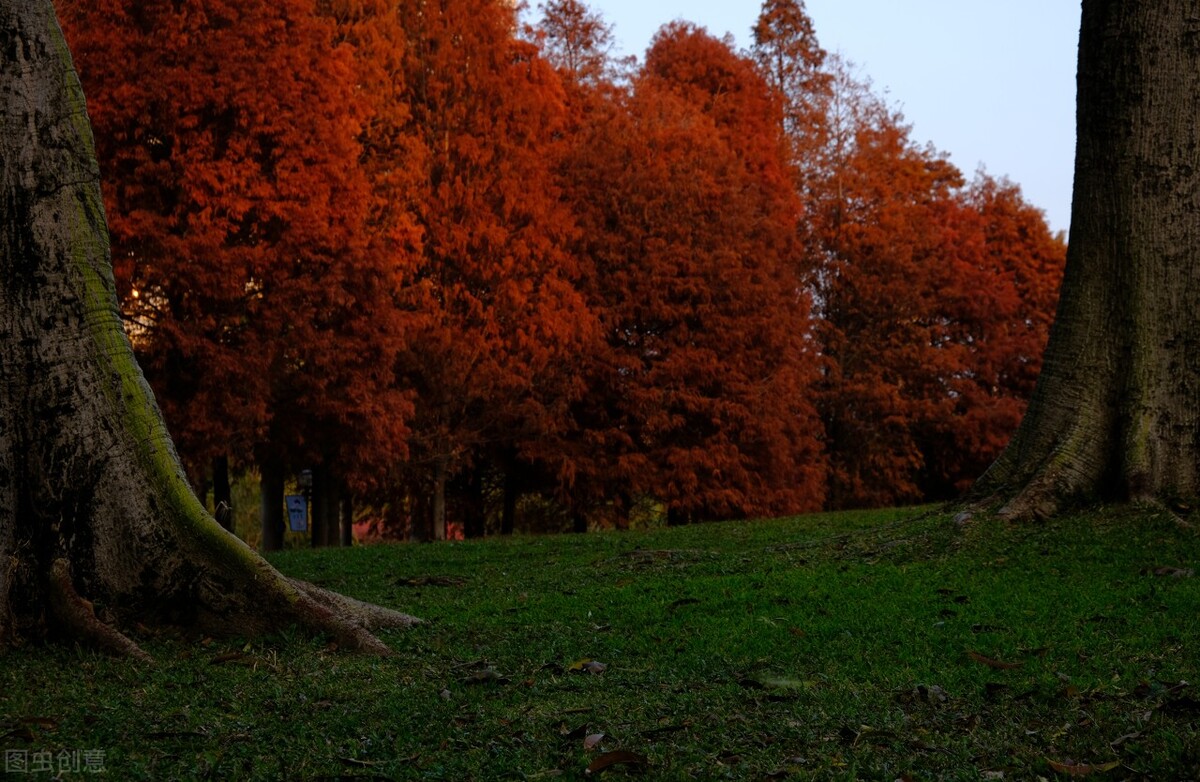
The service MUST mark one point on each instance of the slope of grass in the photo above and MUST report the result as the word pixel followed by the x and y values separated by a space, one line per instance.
pixel 881 645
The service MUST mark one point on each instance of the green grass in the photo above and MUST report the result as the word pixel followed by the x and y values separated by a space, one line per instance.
pixel 821 647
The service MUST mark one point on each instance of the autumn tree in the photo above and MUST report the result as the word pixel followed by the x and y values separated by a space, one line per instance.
pixel 793 63
pixel 933 305
pixel 1114 415
pixel 698 396
pixel 577 41
pixel 1002 332
pixel 261 304
pixel 499 327
pixel 99 529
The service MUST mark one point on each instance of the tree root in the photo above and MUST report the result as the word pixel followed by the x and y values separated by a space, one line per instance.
pixel 349 621
pixel 78 617
pixel 369 615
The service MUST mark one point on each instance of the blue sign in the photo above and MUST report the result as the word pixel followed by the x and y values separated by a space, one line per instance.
pixel 297 510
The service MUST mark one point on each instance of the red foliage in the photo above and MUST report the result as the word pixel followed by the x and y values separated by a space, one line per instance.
pixel 698 396
pixel 228 134
pixel 500 328
pixel 392 239
pixel 928 296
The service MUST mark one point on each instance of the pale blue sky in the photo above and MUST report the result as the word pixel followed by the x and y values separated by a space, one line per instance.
pixel 988 82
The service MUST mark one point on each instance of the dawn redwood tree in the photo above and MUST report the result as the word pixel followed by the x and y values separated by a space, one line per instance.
pixel 252 252
pixel 699 396
pixel 1001 331
pixel 934 301
pixel 99 529
pixel 1115 414
pixel 576 41
pixel 499 327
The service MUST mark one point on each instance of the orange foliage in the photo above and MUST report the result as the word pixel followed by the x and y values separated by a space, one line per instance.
pixel 228 134
pixel 393 238
pixel 698 396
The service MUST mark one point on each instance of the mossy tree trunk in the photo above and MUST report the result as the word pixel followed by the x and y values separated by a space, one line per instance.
pixel 1116 413
pixel 99 528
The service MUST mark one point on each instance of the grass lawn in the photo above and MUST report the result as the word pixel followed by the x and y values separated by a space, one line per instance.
pixel 877 645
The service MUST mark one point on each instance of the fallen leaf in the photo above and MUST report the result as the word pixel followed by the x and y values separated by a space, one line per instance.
pixel 683 601
pixel 1119 740
pixel 363 763
pixel 573 733
pixel 592 740
pixel 486 676
pixel 587 666
pixel 618 757
pixel 991 663
pixel 1082 770
pixel 227 657
pixel 932 694
pixel 1175 572
pixel 45 723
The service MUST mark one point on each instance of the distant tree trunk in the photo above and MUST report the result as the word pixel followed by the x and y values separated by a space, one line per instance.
pixel 512 493
pixel 222 492
pixel 347 519
pixel 579 522
pixel 326 504
pixel 1116 413
pixel 270 485
pixel 441 470
pixel 99 528
pixel 420 526
pixel 475 515
pixel 676 517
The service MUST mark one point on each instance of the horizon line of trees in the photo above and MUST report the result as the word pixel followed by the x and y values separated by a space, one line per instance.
pixel 481 274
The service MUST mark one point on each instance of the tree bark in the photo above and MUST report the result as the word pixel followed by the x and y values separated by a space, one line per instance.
pixel 325 507
pixel 441 469
pixel 270 484
pixel 474 505
pixel 99 528
pixel 347 519
pixel 1115 415
pixel 222 493
pixel 512 492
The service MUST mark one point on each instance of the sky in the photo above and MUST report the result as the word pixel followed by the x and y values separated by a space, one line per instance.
pixel 989 83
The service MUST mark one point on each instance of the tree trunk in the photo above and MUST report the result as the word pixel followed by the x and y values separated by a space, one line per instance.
pixel 99 528
pixel 1116 413
pixel 441 468
pixel 222 493
pixel 512 492
pixel 474 506
pixel 270 484
pixel 325 507
pixel 347 519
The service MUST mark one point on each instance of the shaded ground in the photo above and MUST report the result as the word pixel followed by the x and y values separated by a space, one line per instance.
pixel 877 645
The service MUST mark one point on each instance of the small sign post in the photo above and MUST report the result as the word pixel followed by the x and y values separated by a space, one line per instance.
pixel 297 510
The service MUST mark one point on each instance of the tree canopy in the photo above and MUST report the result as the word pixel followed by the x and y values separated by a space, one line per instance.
pixel 477 270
